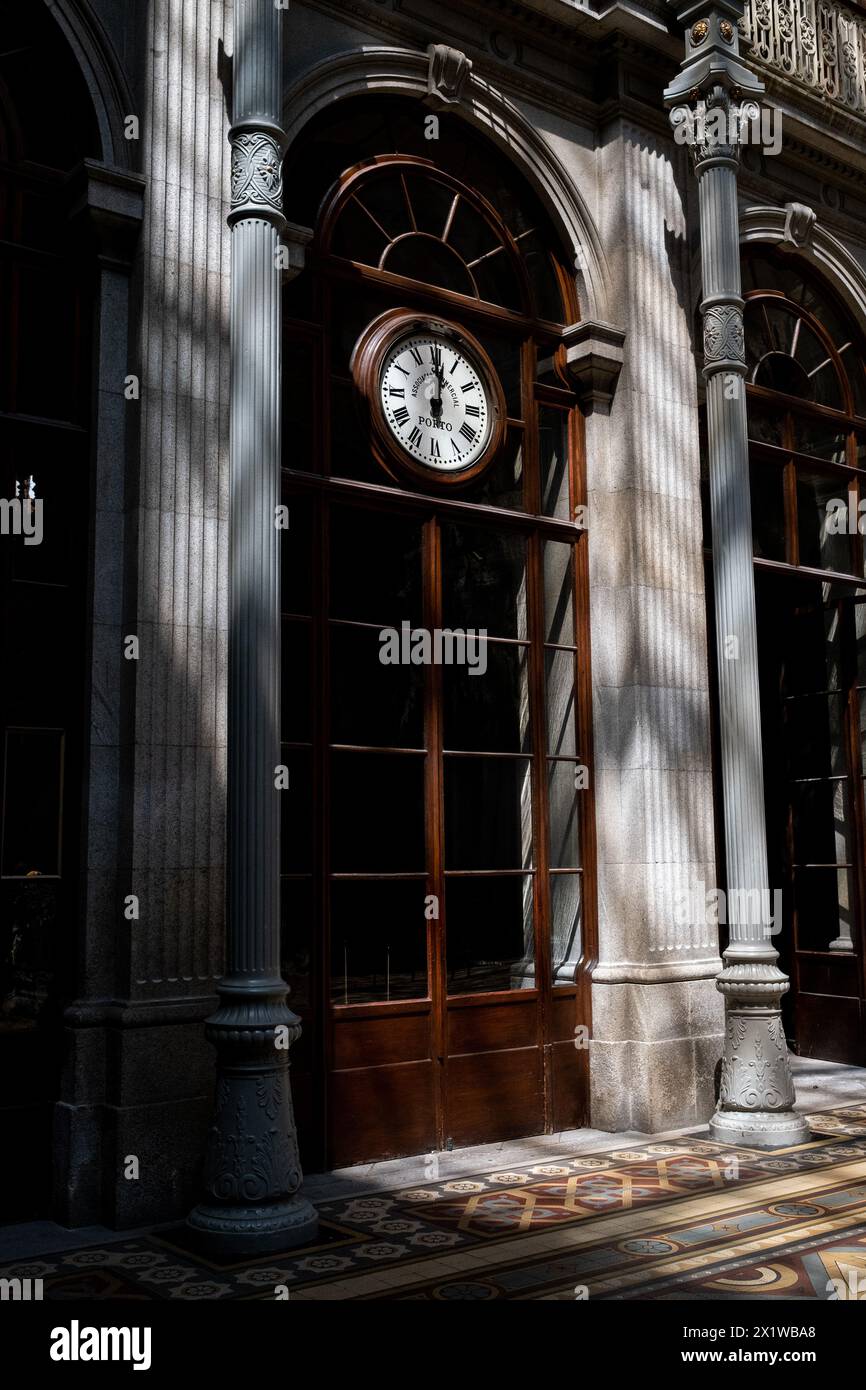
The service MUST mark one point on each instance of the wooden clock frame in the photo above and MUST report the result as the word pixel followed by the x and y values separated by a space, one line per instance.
pixel 368 356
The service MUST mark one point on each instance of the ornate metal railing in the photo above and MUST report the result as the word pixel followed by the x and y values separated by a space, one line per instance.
pixel 813 42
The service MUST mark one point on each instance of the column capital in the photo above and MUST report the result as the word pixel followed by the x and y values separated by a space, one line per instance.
pixel 712 53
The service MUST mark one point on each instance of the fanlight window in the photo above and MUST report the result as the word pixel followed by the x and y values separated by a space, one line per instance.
pixel 807 417
pixel 797 341
pixel 405 217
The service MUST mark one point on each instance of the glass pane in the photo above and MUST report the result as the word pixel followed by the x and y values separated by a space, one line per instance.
pixel 489 934
pixel 431 262
pixel 487 707
pixel 431 201
pixel 295 682
pixel 504 353
pixel 565 926
pixel 768 509
pixel 298 395
pixel 558 571
pixel 351 314
pixel 375 567
pixel 372 702
pixel 385 201
pixel 357 236
pixel 488 813
pixel 542 278
pixel 471 234
pixel 41 528
pixel 296 551
pixel 378 942
pixel 497 281
pixel 296 939
pixel 560 674
pixel 351 456
pixel 826 441
pixel 553 455
pixel 564 832
pixel 813 734
pixel 822 828
pixel 32 802
pixel 812 656
pixel 765 426
pixel 484 580
pixel 817 499
pixel 824 905
pixel 377 813
pixel 501 485
pixel 296 814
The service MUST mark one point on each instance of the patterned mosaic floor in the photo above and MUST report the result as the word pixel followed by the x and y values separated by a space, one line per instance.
pixel 680 1219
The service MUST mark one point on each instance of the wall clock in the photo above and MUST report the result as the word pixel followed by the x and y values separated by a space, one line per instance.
pixel 431 397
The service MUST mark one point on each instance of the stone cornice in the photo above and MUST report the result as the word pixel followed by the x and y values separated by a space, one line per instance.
pixel 577 58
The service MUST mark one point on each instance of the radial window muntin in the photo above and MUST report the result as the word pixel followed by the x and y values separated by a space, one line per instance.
pixel 459 208
pixel 803 440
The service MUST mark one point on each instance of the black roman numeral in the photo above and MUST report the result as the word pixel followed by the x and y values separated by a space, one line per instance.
pixel 434 449
pixel 470 386
pixel 416 353
pixel 402 370
pixel 473 410
pixel 468 432
pixel 436 357
pixel 415 436
pixel 401 415
pixel 456 447
pixel 397 391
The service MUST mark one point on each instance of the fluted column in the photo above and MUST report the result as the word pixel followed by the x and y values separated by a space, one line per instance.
pixel 711 100
pixel 252 1171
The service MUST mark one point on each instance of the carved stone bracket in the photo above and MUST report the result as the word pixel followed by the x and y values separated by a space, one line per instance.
pixel 107 206
pixel 799 222
pixel 447 75
pixel 594 356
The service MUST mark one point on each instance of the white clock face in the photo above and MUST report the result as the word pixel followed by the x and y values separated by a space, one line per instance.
pixel 435 402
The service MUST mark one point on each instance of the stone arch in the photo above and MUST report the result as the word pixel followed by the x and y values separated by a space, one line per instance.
pixel 816 245
pixel 403 72
pixel 102 73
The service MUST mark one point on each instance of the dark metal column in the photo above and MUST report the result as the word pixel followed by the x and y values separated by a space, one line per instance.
pixel 711 99
pixel 252 1172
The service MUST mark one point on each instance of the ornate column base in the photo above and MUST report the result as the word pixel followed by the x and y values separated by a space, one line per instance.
pixel 756 1097
pixel 252 1169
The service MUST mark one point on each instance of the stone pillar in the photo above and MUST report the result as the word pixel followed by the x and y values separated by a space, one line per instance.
pixel 657 1018
pixel 252 1171
pixel 712 99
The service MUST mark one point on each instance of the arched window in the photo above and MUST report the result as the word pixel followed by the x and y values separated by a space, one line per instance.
pixel 437 849
pixel 806 393
pixel 807 414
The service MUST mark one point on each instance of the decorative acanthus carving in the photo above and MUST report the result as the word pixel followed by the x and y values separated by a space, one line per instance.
pixel 723 334
pixel 814 42
pixel 799 221
pixel 257 177
pixel 716 126
pixel 253 1154
pixel 755 1072
pixel 447 74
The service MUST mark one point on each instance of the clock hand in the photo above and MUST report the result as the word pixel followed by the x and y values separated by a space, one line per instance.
pixel 436 401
